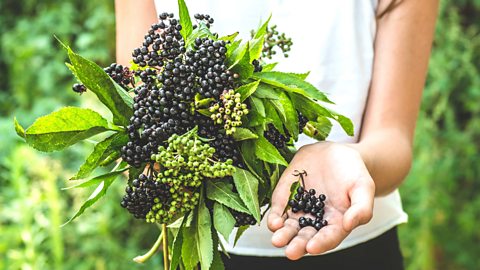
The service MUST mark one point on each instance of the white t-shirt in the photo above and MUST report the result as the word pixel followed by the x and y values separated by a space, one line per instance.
pixel 332 39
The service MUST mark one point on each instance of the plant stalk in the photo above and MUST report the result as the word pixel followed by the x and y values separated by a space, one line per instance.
pixel 166 263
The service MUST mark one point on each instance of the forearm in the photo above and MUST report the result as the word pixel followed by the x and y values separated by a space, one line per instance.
pixel 133 19
pixel 388 156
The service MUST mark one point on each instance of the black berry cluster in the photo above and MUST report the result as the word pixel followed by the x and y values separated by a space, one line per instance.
pixel 256 66
pixel 279 140
pixel 79 88
pixel 306 202
pixel 243 219
pixel 142 194
pixel 123 76
pixel 205 18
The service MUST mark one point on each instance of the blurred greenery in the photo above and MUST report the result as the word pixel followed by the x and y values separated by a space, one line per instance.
pixel 440 193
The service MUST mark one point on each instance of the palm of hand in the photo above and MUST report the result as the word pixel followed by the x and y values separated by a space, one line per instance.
pixel 337 171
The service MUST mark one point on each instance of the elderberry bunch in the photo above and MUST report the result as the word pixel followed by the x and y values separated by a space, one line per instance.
pixel 243 219
pixel 123 76
pixel 256 66
pixel 274 39
pixel 229 111
pixel 142 194
pixel 279 140
pixel 306 201
pixel 205 18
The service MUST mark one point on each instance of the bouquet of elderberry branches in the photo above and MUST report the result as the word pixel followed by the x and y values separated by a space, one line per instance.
pixel 203 125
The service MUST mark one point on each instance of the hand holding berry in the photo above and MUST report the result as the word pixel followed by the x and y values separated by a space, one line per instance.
pixel 339 172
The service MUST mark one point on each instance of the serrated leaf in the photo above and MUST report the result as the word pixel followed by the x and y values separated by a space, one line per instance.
pixel 241 63
pixel 257 105
pixel 109 159
pixel 318 130
pixel 204 237
pixel 222 192
pixel 262 30
pixel 265 151
pixel 96 180
pixel 63 128
pixel 247 89
pixel 104 183
pixel 293 188
pixel 93 160
pixel 274 178
pixel 266 91
pixel 190 256
pixel 185 20
pixel 205 112
pixel 244 134
pixel 233 50
pixel 229 38
pixel 223 220
pixel 217 263
pixel 291 83
pixel 202 31
pixel 247 150
pixel 247 187
pixel 255 119
pixel 97 81
pixel 256 48
pixel 18 128
pixel 302 76
pixel 177 246
pixel 312 110
pixel 239 233
pixel 291 121
pixel 269 67
pixel 273 116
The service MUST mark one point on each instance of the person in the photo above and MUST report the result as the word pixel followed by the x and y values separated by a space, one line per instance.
pixel 371 58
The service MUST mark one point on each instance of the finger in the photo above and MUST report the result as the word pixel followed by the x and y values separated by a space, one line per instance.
pixel 280 197
pixel 327 238
pixel 361 207
pixel 283 236
pixel 298 246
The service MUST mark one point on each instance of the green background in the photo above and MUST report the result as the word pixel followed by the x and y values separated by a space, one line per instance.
pixel 440 194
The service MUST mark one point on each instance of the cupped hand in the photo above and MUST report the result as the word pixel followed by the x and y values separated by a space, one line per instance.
pixel 337 171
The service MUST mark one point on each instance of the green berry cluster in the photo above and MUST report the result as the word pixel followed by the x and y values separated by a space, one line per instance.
pixel 184 164
pixel 275 39
pixel 229 111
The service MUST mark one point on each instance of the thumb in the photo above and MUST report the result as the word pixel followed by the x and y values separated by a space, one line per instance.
pixel 280 197
pixel 361 207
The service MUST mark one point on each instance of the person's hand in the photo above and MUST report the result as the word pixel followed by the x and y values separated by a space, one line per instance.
pixel 337 171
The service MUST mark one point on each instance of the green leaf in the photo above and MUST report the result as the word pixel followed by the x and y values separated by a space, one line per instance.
pixel 239 233
pixel 185 20
pixel 273 116
pixel 293 188
pixel 229 38
pixel 18 128
pixel 247 150
pixel 247 187
pixel 262 30
pixel 233 51
pixel 247 89
pixel 190 256
pixel 256 48
pixel 205 112
pixel 274 178
pixel 96 180
pixel 202 31
pixel 291 83
pixel 266 91
pixel 177 246
pixel 269 67
pixel 94 159
pixel 318 130
pixel 301 76
pixel 244 134
pixel 257 105
pixel 265 151
pixel 312 110
pixel 223 220
pixel 291 122
pixel 204 237
pixel 97 81
pixel 255 119
pixel 217 263
pixel 109 159
pixel 242 64
pixel 222 192
pixel 64 127
pixel 104 183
